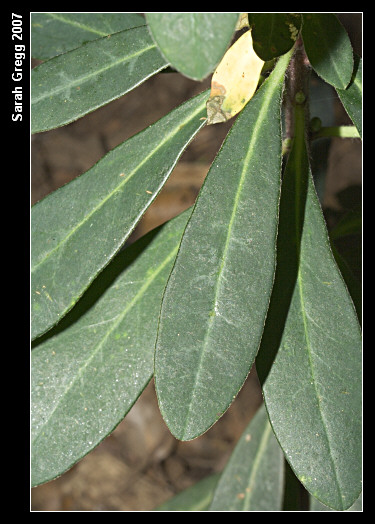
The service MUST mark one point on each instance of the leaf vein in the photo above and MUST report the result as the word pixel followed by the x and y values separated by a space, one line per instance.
pixel 118 188
pixel 99 346
pixel 82 79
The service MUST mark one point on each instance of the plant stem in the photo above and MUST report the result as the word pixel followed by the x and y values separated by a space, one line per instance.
pixel 296 91
pixel 339 131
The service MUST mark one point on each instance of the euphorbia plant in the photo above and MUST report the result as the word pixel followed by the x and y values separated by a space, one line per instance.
pixel 247 275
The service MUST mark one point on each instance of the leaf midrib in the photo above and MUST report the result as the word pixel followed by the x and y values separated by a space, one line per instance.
pixel 314 381
pixel 246 163
pixel 78 81
pixel 80 25
pixel 299 144
pixel 101 342
pixel 254 470
pixel 118 188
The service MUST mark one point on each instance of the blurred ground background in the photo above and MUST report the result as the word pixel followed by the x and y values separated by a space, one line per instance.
pixel 140 465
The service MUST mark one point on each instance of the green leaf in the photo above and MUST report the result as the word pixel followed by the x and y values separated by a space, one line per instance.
pixel 87 376
pixel 216 299
pixel 274 34
pixel 56 33
pixel 351 97
pixel 75 83
pixel 351 280
pixel 193 43
pixel 328 48
pixel 76 230
pixel 310 357
pixel 253 479
pixel 315 505
pixel 293 490
pixel 349 224
pixel 195 498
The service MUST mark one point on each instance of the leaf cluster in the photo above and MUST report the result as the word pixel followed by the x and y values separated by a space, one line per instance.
pixel 248 275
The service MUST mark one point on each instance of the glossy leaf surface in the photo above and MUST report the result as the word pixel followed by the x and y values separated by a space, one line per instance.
pixel 86 377
pixel 310 357
pixel 351 97
pixel 274 33
pixel 75 83
pixel 216 299
pixel 328 48
pixel 56 33
pixel 76 230
pixel 253 479
pixel 193 43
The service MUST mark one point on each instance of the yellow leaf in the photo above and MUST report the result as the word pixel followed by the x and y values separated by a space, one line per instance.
pixel 235 80
pixel 243 21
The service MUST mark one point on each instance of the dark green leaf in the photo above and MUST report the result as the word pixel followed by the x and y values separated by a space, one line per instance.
pixel 75 83
pixel 216 299
pixel 351 97
pixel 87 376
pixel 56 33
pixel 328 48
pixel 312 386
pixel 315 505
pixel 293 490
pixel 253 479
pixel 76 230
pixel 350 224
pixel 196 498
pixel 274 33
pixel 352 282
pixel 193 43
